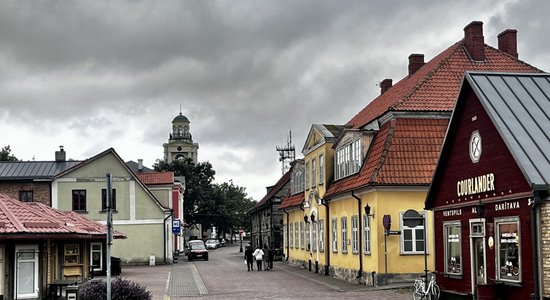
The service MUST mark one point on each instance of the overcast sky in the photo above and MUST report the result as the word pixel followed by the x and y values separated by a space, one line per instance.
pixel 90 75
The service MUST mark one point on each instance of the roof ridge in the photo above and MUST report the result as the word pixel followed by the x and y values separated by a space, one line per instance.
pixel 428 76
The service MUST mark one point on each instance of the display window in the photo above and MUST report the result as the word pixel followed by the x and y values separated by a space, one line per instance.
pixel 508 249
pixel 453 248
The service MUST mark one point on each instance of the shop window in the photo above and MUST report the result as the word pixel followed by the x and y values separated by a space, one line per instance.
pixel 334 235
pixel 453 248
pixel 72 254
pixel 508 249
pixel 412 239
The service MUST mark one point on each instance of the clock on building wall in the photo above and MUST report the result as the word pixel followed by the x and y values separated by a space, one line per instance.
pixel 475 146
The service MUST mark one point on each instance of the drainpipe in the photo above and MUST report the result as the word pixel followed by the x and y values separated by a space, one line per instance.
pixel 534 232
pixel 287 234
pixel 168 216
pixel 360 238
pixel 327 237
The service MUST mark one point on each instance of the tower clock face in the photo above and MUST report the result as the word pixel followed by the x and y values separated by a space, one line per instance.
pixel 475 146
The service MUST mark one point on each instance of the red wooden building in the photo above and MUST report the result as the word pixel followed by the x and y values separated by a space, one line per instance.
pixel 489 189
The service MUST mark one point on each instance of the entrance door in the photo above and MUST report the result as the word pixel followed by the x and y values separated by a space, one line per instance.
pixel 477 254
pixel 96 256
pixel 26 271
pixel 479 261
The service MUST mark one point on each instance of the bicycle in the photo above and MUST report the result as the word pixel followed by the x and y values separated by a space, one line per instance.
pixel 432 291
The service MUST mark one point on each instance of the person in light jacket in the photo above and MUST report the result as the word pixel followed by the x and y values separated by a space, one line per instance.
pixel 258 255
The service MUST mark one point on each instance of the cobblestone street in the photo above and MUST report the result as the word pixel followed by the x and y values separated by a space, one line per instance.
pixel 225 276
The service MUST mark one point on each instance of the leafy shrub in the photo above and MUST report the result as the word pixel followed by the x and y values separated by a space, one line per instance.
pixel 121 289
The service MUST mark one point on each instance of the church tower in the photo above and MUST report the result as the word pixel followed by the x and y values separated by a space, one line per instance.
pixel 180 143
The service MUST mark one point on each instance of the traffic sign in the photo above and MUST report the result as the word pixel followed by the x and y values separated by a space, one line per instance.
pixel 176 226
pixel 386 221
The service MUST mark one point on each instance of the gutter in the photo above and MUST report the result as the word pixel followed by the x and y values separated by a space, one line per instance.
pixel 360 248
pixel 327 237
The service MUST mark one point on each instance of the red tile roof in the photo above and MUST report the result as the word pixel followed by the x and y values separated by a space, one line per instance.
pixel 20 218
pixel 153 178
pixel 435 86
pixel 281 183
pixel 292 200
pixel 404 152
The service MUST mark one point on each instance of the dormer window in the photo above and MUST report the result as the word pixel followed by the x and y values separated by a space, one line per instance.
pixel 348 159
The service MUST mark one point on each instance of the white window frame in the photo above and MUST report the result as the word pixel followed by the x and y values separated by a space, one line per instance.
pixel 348 159
pixel 308 230
pixel 314 236
pixel 446 259
pixel 321 235
pixel 296 236
pixel 291 235
pixel 355 234
pixel 35 260
pixel 507 220
pixel 344 232
pixel 334 235
pixel 313 172
pixel 414 237
pixel 321 169
pixel 100 255
pixel 302 239
pixel 306 175
pixel 366 234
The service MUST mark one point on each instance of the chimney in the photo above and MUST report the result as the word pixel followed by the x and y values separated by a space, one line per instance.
pixel 140 165
pixel 60 155
pixel 416 61
pixel 385 85
pixel 508 43
pixel 473 40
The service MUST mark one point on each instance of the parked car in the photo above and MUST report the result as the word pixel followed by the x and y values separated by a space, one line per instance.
pixel 188 246
pixel 212 244
pixel 197 251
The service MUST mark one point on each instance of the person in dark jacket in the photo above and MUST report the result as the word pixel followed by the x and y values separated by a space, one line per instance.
pixel 271 256
pixel 249 257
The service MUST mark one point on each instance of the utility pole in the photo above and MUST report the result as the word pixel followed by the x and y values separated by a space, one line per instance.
pixel 109 231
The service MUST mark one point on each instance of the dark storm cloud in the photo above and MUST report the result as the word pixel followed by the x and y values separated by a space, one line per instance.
pixel 244 72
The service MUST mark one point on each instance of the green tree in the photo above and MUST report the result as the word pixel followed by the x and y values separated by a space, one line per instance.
pixel 5 154
pixel 198 201
pixel 232 204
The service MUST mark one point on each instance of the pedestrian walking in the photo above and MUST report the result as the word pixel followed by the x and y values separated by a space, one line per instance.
pixel 249 257
pixel 265 258
pixel 258 255
pixel 271 256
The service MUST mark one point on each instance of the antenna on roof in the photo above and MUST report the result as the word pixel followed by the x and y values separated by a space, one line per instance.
pixel 287 154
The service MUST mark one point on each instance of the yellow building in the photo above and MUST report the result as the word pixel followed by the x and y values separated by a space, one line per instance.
pixel 306 214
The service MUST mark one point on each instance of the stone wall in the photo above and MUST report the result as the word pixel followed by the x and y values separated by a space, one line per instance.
pixel 40 190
